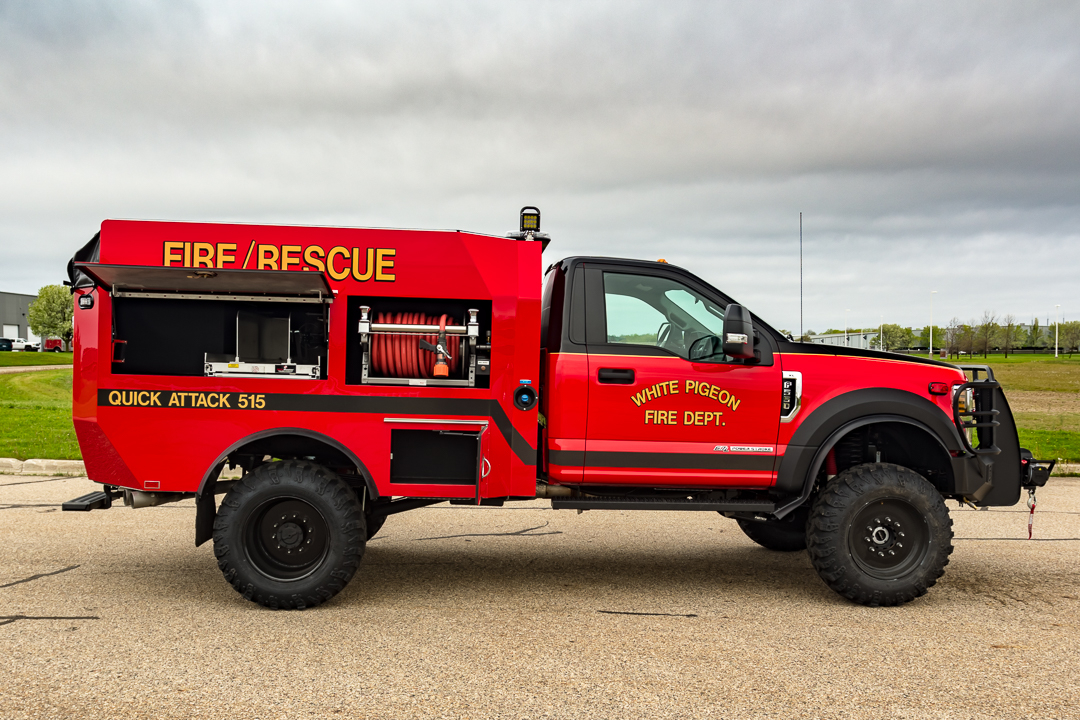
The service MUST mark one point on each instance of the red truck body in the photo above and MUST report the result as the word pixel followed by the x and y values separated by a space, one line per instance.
pixel 127 423
pixel 409 367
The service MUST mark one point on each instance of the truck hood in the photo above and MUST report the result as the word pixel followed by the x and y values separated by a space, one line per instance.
pixel 799 348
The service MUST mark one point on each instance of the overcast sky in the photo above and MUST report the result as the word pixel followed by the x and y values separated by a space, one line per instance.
pixel 930 146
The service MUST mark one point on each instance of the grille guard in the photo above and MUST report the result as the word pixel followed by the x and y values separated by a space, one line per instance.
pixel 983 417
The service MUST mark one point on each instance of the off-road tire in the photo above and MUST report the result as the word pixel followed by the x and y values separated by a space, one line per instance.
pixel 286 507
pixel 787 535
pixel 858 528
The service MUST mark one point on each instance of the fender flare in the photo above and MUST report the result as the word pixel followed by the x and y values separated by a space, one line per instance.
pixel 822 429
pixel 206 508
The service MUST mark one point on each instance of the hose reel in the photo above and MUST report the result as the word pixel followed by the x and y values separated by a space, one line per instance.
pixel 416 348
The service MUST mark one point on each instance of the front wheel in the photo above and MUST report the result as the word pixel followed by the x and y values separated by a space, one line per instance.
pixel 879 534
pixel 289 535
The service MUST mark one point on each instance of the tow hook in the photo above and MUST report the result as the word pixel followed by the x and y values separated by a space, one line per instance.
pixel 1031 507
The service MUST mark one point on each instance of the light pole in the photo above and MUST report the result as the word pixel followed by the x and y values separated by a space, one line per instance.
pixel 847 343
pixel 881 334
pixel 1057 319
pixel 932 322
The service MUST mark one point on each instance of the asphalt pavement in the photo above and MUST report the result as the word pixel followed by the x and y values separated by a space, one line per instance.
pixel 526 612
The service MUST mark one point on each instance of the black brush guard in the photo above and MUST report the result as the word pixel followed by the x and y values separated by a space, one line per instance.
pixel 983 419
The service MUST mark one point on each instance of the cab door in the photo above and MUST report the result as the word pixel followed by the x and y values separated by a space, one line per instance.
pixel 656 418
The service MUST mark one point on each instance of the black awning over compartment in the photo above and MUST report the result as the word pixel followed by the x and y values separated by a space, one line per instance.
pixel 209 283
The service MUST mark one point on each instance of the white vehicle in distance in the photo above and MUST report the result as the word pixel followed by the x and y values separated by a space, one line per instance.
pixel 21 344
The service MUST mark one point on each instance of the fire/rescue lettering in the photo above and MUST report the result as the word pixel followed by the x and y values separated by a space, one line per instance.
pixel 370 267
pixel 204 255
pixel 340 263
pixel 171 254
pixel 382 264
pixel 288 256
pixel 311 260
pixel 247 258
pixel 267 257
pixel 330 269
pixel 223 250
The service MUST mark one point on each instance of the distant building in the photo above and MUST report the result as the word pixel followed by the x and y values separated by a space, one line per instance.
pixel 14 307
pixel 853 338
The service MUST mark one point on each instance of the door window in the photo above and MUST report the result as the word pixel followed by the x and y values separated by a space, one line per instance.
pixel 657 312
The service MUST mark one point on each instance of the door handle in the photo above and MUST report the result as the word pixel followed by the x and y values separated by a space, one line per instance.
pixel 616 376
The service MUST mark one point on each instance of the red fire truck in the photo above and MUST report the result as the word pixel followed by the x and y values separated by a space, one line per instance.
pixel 356 373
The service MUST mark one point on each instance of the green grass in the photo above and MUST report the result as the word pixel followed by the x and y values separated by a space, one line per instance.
pixel 22 359
pixel 40 389
pixel 1051 444
pixel 37 432
pixel 999 358
pixel 1050 436
pixel 35 416
pixel 1036 372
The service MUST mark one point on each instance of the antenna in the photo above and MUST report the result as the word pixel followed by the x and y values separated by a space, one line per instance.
pixel 800 279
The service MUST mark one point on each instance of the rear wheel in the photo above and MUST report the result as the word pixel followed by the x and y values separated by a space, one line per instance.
pixel 879 534
pixel 787 535
pixel 289 535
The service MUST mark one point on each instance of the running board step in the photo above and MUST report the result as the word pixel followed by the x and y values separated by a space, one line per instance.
pixel 88 502
pixel 633 503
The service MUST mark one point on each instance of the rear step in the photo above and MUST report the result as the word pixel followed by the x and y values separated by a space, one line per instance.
pixel 88 502
pixel 633 503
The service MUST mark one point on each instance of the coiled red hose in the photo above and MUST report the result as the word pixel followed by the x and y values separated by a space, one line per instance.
pixel 399 355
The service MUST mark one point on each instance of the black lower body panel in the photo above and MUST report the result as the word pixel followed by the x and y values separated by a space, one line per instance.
pixel 646 503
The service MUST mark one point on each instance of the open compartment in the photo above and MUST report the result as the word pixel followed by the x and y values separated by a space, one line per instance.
pixel 154 336
pixel 184 321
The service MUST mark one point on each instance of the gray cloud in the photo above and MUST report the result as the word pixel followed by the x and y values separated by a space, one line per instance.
pixel 931 146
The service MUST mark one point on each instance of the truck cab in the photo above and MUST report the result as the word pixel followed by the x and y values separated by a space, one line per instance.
pixel 636 393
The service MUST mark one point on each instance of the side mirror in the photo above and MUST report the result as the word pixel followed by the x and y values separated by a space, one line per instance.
pixel 738 333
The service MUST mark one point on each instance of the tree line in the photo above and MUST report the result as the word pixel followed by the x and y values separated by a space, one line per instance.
pixel 987 334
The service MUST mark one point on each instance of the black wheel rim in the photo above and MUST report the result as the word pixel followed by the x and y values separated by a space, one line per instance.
pixel 287 538
pixel 888 538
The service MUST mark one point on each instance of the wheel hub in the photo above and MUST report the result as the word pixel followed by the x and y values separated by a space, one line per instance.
pixel 290 535
pixel 889 538
pixel 289 538
pixel 885 536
